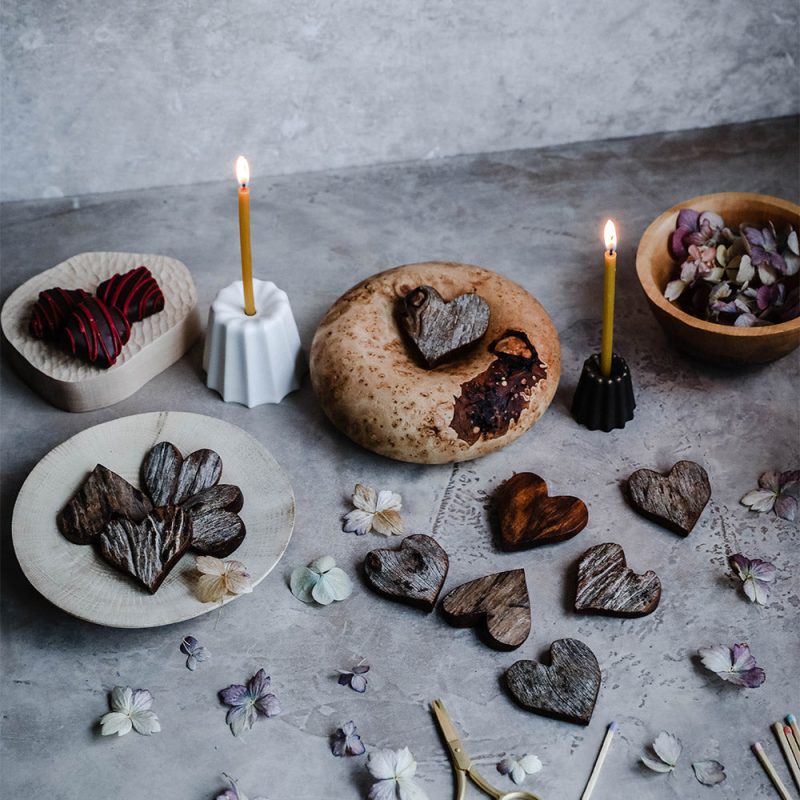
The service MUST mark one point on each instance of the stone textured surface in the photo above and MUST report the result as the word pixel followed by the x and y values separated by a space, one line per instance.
pixel 108 96
pixel 536 216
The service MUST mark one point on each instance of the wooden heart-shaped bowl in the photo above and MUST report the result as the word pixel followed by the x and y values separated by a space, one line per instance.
pixel 721 344
pixel 156 342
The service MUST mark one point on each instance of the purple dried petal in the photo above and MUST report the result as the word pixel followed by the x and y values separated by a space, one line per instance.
pixel 361 669
pixel 745 321
pixel 740 563
pixel 789 476
pixel 688 218
pixel 344 678
pixel 753 235
pixel 676 243
pixel 762 570
pixel 234 695
pixel 268 705
pixel 786 507
pixel 188 645
pixel 258 685
pixel 770 480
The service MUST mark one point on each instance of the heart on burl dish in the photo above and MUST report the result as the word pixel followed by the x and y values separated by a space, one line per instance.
pixel 439 329
pixel 675 500
pixel 498 603
pixel 414 573
pixel 528 516
pixel 607 586
pixel 565 690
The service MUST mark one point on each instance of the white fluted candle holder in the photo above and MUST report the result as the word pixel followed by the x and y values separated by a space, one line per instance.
pixel 252 359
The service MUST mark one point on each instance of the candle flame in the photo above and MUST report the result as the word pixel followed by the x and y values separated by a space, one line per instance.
pixel 242 171
pixel 610 235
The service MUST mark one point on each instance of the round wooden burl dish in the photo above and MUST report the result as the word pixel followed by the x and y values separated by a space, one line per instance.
pixel 374 388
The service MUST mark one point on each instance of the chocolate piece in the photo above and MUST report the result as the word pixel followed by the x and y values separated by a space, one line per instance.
pixel 217 533
pixel 414 573
pixel 95 332
pixel 103 495
pixel 135 293
pixel 529 517
pixel 492 401
pixel 675 500
pixel 160 470
pixel 565 690
pixel 200 470
pixel 51 309
pixel 439 329
pixel 499 603
pixel 147 550
pixel 607 586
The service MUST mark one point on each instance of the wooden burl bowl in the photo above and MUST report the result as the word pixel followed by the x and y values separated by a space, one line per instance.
pixel 721 344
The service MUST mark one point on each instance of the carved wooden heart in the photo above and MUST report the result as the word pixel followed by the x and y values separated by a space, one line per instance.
pixel 499 603
pixel 147 550
pixel 607 586
pixel 438 328
pixel 193 484
pixel 675 500
pixel 565 690
pixel 414 573
pixel 528 516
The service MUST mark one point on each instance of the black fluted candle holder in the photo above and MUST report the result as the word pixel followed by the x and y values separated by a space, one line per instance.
pixel 602 403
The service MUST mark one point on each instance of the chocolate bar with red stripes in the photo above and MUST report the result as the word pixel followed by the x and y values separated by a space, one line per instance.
pixel 95 332
pixel 51 309
pixel 135 293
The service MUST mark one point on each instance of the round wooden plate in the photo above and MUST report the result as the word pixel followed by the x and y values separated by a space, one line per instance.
pixel 77 580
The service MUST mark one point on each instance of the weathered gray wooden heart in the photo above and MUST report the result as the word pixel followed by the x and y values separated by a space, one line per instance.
pixel 566 690
pixel 607 586
pixel 438 328
pixel 499 603
pixel 103 495
pixel 675 500
pixel 414 573
pixel 147 550
pixel 193 484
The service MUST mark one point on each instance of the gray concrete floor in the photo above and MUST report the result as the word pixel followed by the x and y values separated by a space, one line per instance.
pixel 535 216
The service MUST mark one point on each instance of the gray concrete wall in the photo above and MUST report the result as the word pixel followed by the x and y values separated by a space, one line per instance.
pixel 103 95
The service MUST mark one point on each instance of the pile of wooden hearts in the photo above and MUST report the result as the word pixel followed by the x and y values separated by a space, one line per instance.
pixel 145 535
pixel 499 604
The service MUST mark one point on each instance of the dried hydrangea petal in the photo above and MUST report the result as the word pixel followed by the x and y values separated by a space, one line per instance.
pixel 709 773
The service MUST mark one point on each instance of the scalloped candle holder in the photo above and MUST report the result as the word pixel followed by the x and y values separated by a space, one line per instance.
pixel 252 360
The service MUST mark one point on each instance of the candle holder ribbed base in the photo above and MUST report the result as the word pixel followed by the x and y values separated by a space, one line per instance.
pixel 602 403
pixel 252 359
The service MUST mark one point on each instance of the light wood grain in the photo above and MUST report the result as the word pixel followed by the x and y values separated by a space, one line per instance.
pixel 722 344
pixel 77 580
pixel 155 342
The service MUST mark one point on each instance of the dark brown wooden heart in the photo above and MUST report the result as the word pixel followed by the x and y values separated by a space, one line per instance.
pixel 217 530
pixel 439 329
pixel 498 603
pixel 414 573
pixel 103 495
pixel 529 517
pixel 607 586
pixel 193 484
pixel 171 479
pixel 675 500
pixel 147 550
pixel 565 690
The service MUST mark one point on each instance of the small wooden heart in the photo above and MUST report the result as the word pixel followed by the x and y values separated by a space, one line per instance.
pixel 147 550
pixel 675 500
pixel 499 603
pixel 438 328
pixel 607 586
pixel 528 516
pixel 565 690
pixel 414 573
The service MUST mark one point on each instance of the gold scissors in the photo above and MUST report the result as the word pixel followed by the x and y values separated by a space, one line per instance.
pixel 462 763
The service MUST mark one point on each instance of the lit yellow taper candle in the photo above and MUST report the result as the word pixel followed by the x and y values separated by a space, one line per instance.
pixel 606 348
pixel 243 176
